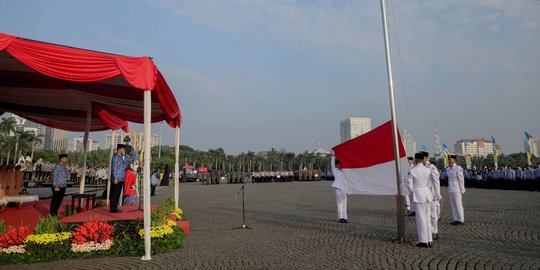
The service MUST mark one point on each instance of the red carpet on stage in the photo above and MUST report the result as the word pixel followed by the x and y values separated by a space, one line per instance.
pixel 102 213
pixel 29 215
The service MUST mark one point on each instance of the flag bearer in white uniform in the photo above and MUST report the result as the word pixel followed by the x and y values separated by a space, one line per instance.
pixel 435 187
pixel 418 185
pixel 456 187
pixel 340 186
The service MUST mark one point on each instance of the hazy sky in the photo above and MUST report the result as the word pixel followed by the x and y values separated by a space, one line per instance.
pixel 251 74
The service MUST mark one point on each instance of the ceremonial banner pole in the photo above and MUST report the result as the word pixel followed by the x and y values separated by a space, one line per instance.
pixel 146 177
pixel 85 147
pixel 177 166
pixel 402 230
pixel 110 167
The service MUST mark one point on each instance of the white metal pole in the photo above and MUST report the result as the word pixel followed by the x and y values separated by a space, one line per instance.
pixel 113 138
pixel 402 230
pixel 177 167
pixel 85 146
pixel 146 177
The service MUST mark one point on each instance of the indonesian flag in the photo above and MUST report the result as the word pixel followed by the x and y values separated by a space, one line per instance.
pixel 368 162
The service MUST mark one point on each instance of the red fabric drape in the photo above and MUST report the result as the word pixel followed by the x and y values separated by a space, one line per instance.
pixel 110 120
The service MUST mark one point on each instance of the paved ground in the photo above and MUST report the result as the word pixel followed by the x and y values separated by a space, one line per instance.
pixel 295 227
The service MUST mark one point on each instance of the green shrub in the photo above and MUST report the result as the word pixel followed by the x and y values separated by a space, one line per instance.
pixel 2 227
pixel 168 206
pixel 49 224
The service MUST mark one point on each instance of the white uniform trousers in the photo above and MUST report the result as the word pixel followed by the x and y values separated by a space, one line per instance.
pixel 457 207
pixel 423 224
pixel 341 199
pixel 435 214
pixel 411 203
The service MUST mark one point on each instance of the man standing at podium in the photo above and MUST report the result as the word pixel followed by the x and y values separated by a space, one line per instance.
pixel 120 162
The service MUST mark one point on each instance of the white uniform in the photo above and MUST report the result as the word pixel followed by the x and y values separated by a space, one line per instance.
pixel 435 186
pixel 340 186
pixel 418 185
pixel 456 187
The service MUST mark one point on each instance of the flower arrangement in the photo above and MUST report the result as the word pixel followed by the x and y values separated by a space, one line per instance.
pixel 47 238
pixel 14 236
pixel 92 246
pixel 93 231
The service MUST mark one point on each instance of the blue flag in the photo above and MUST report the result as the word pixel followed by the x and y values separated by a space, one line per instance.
pixel 424 148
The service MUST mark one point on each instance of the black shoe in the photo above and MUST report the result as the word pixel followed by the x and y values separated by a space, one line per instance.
pixel 420 244
pixel 412 214
pixel 341 220
pixel 436 237
pixel 454 223
pixel 430 244
pixel 345 221
pixel 459 223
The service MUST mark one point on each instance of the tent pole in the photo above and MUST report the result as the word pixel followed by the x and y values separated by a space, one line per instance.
pixel 85 147
pixel 177 167
pixel 400 200
pixel 113 138
pixel 146 177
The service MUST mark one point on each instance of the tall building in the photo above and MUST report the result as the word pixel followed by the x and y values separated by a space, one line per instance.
pixel 535 146
pixel 437 147
pixel 475 147
pixel 135 137
pixel 353 127
pixel 56 139
pixel 408 143
pixel 77 144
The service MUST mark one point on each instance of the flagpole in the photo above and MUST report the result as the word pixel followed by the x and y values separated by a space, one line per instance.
pixel 402 230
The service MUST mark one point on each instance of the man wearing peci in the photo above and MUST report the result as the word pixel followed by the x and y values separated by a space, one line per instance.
pixel 418 186
pixel 435 187
pixel 59 183
pixel 456 187
pixel 120 162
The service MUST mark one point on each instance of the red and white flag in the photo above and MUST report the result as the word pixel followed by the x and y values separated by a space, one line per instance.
pixel 368 162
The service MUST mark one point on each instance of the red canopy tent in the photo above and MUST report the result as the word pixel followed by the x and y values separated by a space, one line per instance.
pixel 82 90
pixel 56 85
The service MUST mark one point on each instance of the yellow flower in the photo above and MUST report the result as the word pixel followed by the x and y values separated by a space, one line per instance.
pixel 171 223
pixel 158 231
pixel 47 238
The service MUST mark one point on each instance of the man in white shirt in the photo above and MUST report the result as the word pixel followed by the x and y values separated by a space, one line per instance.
pixel 456 187
pixel 418 185
pixel 435 187
pixel 340 187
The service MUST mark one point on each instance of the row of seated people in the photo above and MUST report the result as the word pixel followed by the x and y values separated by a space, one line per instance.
pixel 11 186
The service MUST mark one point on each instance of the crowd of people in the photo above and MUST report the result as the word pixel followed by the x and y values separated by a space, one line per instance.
pixel 503 177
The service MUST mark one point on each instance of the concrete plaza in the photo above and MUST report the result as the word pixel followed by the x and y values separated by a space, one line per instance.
pixel 294 226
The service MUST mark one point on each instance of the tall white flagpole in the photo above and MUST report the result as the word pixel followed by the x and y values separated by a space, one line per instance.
pixel 177 167
pixel 146 175
pixel 402 229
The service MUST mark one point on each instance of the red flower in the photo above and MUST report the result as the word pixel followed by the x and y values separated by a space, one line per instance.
pixel 93 231
pixel 14 237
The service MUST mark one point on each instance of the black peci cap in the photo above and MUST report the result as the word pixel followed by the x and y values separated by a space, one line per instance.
pixel 419 155
pixel 410 158
pixel 452 156
pixel 120 145
pixel 424 153
pixel 62 156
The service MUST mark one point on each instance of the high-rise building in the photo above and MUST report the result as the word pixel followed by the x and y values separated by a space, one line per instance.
pixel 56 139
pixel 474 147
pixel 77 144
pixel 437 147
pixel 408 143
pixel 136 139
pixel 353 127
pixel 534 142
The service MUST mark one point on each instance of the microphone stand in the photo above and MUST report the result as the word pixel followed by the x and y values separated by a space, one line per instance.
pixel 242 189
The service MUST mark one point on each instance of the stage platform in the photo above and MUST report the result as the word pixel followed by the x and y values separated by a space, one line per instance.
pixel 29 215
